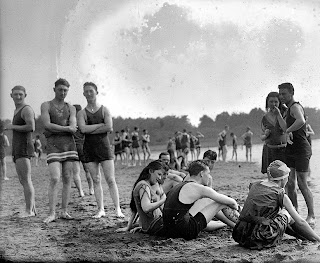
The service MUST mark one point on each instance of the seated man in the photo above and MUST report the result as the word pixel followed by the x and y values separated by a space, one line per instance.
pixel 268 213
pixel 191 205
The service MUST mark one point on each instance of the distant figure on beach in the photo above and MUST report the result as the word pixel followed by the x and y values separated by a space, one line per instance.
pixel 79 140
pixel 126 144
pixel 234 146
pixel 59 120
pixel 23 124
pixel 117 144
pixel 95 122
pixel 247 142
pixel 145 145
pixel 193 140
pixel 4 143
pixel 198 143
pixel 38 149
pixel 173 164
pixel 177 137
pixel 268 213
pixel 298 150
pixel 185 145
pixel 135 146
pixel 222 141
pixel 273 132
pixel 147 199
pixel 191 205
pixel 310 132
pixel 170 143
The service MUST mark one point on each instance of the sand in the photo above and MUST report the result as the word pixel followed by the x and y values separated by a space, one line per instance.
pixel 94 240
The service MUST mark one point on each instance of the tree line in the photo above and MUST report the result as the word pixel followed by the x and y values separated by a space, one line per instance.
pixel 161 128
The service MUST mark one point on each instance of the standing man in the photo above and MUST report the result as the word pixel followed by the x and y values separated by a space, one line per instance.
pixel 145 145
pixel 298 150
pixel 4 143
pixel 247 142
pixel 223 142
pixel 59 120
pixel 22 126
pixel 95 122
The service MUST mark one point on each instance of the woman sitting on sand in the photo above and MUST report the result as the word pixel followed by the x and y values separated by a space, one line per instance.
pixel 147 199
pixel 268 213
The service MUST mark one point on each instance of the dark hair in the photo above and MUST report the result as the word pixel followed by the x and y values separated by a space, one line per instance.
pixel 231 134
pixel 163 153
pixel 78 107
pixel 91 84
pixel 195 167
pixel 288 86
pixel 145 175
pixel 63 82
pixel 274 94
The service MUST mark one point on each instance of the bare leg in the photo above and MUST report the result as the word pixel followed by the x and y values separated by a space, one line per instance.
pixel 291 188
pixel 4 168
pixel 108 170
pixel 305 190
pixel 67 171
pixel 76 177
pixel 98 191
pixel 55 172
pixel 23 168
pixel 89 179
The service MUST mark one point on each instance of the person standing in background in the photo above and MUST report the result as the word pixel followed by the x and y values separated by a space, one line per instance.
pixel 95 122
pixel 23 124
pixel 222 140
pixel 247 142
pixel 4 143
pixel 59 120
pixel 298 150
pixel 145 146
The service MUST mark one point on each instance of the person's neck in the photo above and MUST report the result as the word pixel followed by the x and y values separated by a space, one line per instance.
pixel 58 101
pixel 19 106
pixel 290 103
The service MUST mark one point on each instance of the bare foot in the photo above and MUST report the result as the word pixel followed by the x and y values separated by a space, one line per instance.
pixel 50 218
pixel 81 194
pixel 66 216
pixel 26 214
pixel 91 192
pixel 100 214
pixel 119 213
pixel 311 221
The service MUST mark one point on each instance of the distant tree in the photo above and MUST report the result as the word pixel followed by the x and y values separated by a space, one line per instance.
pixel 205 122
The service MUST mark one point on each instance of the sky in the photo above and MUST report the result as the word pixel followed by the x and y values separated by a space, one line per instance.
pixel 158 58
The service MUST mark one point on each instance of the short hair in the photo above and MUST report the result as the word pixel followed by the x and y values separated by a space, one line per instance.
pixel 63 82
pixel 78 107
pixel 18 87
pixel 122 130
pixel 91 84
pixel 212 155
pixel 288 86
pixel 231 134
pixel 195 167
pixel 163 153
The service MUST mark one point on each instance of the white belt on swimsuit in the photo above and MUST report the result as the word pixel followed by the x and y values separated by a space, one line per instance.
pixel 277 146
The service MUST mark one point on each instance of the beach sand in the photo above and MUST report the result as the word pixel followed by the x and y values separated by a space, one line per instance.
pixel 95 240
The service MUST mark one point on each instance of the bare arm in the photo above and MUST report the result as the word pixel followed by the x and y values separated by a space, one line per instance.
pixel 146 204
pixel 52 127
pixel 301 223
pixel 297 113
pixel 309 130
pixel 27 115
pixel 192 192
pixel 6 141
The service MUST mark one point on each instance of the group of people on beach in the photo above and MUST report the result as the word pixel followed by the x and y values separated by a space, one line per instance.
pixel 168 199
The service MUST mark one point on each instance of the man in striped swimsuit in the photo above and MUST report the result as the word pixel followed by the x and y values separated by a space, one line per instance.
pixel 59 119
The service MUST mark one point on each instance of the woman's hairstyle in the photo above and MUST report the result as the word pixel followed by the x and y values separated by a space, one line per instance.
pixel 145 175
pixel 274 94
